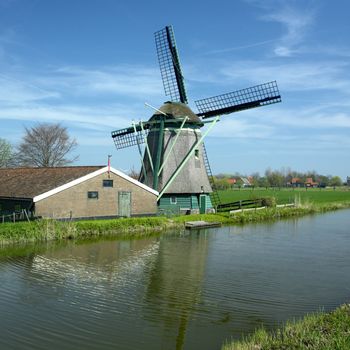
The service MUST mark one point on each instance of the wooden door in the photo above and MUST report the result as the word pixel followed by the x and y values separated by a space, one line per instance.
pixel 202 203
pixel 124 203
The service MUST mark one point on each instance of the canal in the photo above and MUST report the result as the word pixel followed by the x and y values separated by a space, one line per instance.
pixel 180 290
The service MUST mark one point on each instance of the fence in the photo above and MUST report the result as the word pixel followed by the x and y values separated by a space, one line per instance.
pixel 15 216
pixel 247 203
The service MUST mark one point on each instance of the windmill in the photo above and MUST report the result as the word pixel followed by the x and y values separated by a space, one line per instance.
pixel 170 143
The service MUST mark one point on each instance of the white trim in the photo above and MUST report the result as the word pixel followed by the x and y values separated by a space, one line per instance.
pixel 90 176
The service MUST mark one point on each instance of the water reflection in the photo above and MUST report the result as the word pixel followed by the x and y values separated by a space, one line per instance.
pixel 177 291
pixel 171 297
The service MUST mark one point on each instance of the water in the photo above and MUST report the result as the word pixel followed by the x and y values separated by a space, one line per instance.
pixel 189 290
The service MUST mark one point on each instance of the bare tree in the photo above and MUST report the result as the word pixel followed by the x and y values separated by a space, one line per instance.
pixel 46 145
pixel 134 174
pixel 5 153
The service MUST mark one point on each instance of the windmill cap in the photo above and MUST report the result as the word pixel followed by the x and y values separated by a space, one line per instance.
pixel 177 110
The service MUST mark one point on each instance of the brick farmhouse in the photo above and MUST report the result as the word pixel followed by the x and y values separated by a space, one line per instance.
pixel 74 192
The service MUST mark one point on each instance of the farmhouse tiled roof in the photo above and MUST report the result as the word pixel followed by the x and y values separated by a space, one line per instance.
pixel 31 182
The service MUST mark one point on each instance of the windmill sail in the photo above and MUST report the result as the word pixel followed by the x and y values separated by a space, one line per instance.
pixel 255 96
pixel 129 137
pixel 169 64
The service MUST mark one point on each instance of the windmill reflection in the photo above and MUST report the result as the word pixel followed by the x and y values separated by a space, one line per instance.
pixel 175 285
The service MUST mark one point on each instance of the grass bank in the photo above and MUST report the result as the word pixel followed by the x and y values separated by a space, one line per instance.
pixel 314 332
pixel 47 230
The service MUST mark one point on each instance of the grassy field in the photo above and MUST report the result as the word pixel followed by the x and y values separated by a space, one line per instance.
pixel 319 331
pixel 284 195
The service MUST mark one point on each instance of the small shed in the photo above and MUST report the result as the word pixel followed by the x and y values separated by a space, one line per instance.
pixel 75 192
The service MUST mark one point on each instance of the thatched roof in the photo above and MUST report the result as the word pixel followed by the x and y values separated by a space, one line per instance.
pixel 177 110
pixel 31 182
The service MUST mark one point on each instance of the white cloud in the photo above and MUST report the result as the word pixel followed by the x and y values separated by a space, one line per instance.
pixel 116 116
pixel 235 48
pixel 230 127
pixel 308 118
pixel 123 80
pixel 296 22
pixel 293 76
pixel 80 96
pixel 13 90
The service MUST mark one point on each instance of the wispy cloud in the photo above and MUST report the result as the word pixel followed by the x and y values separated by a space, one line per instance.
pixel 69 114
pixel 323 80
pixel 296 22
pixel 242 47
pixel 68 92
pixel 294 76
pixel 230 127
pixel 308 119
pixel 88 101
pixel 295 18
pixel 124 80
pixel 13 90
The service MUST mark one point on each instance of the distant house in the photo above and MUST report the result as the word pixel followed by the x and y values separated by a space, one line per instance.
pixel 231 181
pixel 348 180
pixel 74 192
pixel 295 182
pixel 310 182
pixel 247 181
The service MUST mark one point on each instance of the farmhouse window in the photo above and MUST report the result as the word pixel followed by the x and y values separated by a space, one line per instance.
pixel 173 200
pixel 107 183
pixel 92 195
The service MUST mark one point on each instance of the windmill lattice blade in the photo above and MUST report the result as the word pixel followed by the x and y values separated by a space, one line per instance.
pixel 169 64
pixel 255 96
pixel 124 138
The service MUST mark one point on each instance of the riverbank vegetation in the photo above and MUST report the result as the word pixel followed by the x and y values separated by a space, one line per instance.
pixel 314 332
pixel 48 229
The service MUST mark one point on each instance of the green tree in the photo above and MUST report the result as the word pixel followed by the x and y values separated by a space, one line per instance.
pixel 222 184
pixel 255 177
pixel 335 181
pixel 274 178
pixel 263 182
pixel 323 180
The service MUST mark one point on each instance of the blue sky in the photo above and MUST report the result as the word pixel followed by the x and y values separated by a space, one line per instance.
pixel 91 65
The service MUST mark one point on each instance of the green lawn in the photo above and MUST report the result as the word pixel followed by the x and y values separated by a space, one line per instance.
pixel 283 195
